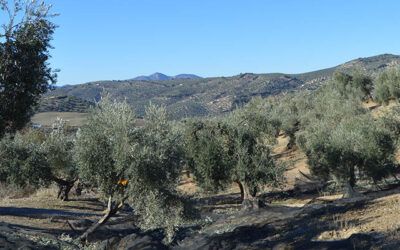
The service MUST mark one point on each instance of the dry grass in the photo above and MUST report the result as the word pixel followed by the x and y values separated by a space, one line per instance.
pixel 48 118
pixel 380 215
pixel 297 161
pixel 14 192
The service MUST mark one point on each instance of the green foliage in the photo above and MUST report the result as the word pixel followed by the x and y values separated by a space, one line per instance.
pixel 387 86
pixel 24 70
pixel 233 149
pixel 23 161
pixel 353 143
pixel 111 149
pixel 390 123
pixel 59 146
pixel 103 149
pixel 354 81
pixel 341 137
pixel 36 159
pixel 209 155
pixel 290 110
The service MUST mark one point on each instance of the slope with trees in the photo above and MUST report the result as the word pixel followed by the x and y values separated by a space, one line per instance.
pixel 217 95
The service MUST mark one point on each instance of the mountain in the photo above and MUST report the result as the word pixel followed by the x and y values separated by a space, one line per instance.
pixel 216 95
pixel 186 76
pixel 159 76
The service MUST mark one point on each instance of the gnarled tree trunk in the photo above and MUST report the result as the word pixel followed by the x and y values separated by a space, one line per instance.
pixel 63 188
pixel 241 190
pixel 348 190
pixel 250 201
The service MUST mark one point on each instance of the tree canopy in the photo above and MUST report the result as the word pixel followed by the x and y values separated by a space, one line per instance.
pixel 25 73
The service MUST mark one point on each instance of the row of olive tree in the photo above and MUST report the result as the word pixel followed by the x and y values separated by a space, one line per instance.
pixel 338 135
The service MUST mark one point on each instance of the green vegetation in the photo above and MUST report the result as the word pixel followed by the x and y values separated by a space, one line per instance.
pixel 233 149
pixel 138 165
pixel 387 86
pixel 341 137
pixel 22 162
pixel 24 70
pixel 33 158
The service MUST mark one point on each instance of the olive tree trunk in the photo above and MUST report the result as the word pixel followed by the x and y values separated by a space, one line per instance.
pixel 241 190
pixel 348 190
pixel 250 201
pixel 64 187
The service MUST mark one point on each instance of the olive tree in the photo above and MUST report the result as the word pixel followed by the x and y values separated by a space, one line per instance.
pixel 233 149
pixel 37 159
pixel 59 146
pixel 289 112
pixel 23 162
pixel 135 164
pixel 387 86
pixel 341 137
pixel 25 73
pixel 357 80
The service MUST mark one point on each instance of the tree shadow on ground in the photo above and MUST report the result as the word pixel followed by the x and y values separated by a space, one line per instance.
pixel 30 229
pixel 291 228
pixel 41 213
pixel 231 198
pixel 85 208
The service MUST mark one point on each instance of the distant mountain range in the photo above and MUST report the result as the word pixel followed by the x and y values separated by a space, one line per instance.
pixel 159 76
pixel 207 96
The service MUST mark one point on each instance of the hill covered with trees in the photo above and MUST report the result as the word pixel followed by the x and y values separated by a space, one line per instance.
pixel 216 95
pixel 63 103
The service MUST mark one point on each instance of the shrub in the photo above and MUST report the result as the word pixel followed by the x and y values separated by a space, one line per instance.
pixel 23 162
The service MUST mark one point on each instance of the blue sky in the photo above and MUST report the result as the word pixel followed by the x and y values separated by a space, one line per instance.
pixel 121 39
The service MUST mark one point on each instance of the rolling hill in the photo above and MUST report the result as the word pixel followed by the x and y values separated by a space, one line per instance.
pixel 216 95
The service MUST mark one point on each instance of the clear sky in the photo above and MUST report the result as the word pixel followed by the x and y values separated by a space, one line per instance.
pixel 121 39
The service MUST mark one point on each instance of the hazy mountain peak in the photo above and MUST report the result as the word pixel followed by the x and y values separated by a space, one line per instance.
pixel 161 76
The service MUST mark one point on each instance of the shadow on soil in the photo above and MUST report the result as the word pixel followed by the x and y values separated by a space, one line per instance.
pixel 282 227
pixel 40 212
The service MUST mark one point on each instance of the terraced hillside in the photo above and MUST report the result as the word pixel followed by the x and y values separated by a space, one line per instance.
pixel 63 103
pixel 214 96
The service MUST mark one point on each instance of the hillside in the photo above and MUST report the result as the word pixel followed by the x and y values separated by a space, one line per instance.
pixel 217 95
pixel 63 103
